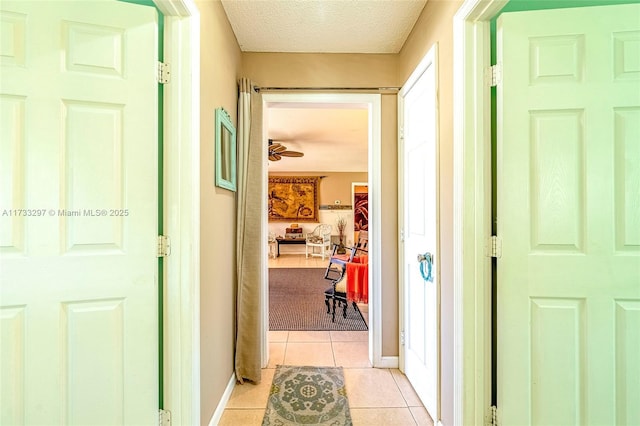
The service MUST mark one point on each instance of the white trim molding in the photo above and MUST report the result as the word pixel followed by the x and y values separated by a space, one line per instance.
pixel 472 210
pixel 217 414
pixel 182 211
pixel 388 362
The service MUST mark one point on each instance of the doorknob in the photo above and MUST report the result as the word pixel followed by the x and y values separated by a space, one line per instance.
pixel 427 259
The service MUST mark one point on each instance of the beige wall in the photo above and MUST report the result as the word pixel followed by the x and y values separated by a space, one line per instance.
pixel 435 25
pixel 319 69
pixel 334 186
pixel 351 70
pixel 219 69
pixel 389 220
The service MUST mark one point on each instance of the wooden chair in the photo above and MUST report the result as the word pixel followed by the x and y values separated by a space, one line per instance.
pixel 337 293
pixel 362 244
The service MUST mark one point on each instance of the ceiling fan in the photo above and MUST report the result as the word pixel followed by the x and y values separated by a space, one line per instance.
pixel 277 151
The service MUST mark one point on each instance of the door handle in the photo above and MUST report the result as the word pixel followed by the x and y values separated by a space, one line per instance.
pixel 427 259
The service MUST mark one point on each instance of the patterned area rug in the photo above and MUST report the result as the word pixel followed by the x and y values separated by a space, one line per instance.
pixel 296 302
pixel 307 396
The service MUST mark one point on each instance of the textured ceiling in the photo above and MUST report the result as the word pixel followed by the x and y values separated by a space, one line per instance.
pixel 332 138
pixel 328 26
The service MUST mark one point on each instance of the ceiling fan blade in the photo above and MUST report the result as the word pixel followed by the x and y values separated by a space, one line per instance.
pixel 276 151
pixel 291 154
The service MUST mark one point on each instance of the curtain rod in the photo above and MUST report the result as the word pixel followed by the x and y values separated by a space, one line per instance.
pixel 326 89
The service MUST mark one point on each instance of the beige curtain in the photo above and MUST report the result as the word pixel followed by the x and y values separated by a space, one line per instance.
pixel 249 245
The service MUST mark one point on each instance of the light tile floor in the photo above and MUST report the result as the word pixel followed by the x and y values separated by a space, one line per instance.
pixel 377 397
pixel 297 261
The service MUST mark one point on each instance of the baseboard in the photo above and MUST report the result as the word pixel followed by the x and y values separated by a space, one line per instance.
pixel 388 362
pixel 217 415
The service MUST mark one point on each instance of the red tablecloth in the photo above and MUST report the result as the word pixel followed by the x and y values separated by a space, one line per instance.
pixel 358 279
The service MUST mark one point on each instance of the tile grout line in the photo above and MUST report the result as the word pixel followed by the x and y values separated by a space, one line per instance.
pixel 399 389
pixel 286 346
pixel 413 416
pixel 333 352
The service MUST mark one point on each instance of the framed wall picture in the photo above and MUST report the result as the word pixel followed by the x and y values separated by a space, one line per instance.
pixel 225 151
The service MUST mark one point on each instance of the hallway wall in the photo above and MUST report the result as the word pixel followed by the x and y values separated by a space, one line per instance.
pixel 219 70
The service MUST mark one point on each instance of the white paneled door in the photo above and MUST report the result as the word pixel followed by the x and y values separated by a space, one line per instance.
pixel 568 333
pixel 421 286
pixel 78 213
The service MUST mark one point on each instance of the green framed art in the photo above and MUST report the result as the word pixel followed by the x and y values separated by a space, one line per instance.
pixel 225 151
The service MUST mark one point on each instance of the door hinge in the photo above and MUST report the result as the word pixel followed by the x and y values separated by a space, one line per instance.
pixel 402 235
pixel 492 416
pixel 494 247
pixel 164 73
pixel 164 417
pixel 402 338
pixel 164 246
pixel 493 75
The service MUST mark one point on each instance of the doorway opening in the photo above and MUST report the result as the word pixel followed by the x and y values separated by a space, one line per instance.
pixel 344 104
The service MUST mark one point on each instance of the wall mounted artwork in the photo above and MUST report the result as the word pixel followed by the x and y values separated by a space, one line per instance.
pixel 361 209
pixel 293 198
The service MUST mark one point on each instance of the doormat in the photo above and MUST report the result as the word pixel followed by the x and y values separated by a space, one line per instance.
pixel 303 395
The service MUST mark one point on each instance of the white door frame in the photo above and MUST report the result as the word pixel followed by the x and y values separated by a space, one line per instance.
pixel 182 211
pixel 373 103
pixel 472 210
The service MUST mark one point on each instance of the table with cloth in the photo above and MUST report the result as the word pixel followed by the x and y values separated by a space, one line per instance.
pixel 358 279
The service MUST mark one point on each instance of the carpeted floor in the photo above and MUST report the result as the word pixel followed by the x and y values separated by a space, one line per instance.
pixel 296 302
pixel 307 396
